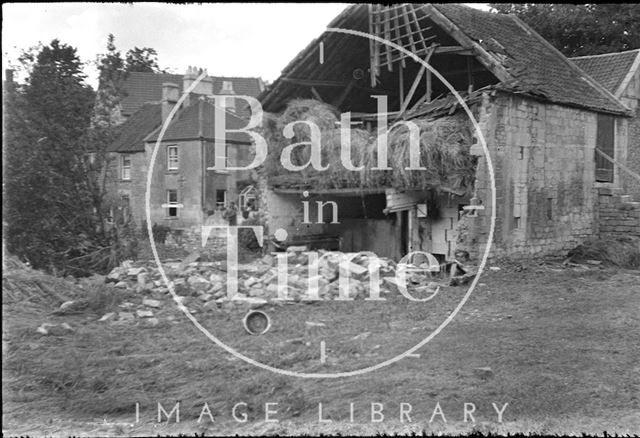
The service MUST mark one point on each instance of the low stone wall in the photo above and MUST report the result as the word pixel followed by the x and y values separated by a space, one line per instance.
pixel 618 214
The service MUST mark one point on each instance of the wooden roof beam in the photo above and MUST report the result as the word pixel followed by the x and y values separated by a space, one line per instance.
pixel 456 33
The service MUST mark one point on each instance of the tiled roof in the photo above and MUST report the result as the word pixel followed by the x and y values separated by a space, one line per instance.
pixel 196 122
pixel 143 87
pixel 535 65
pixel 131 133
pixel 609 69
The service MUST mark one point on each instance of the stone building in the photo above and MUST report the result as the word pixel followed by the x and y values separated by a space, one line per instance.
pixel 183 192
pixel 541 115
pixel 619 73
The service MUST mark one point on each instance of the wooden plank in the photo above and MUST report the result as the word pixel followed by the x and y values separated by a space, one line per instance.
pixel 376 52
pixel 401 85
pixel 412 91
pixel 372 70
pixel 318 83
pixel 316 95
pixel 415 17
pixel 469 74
pixel 387 36
pixel 407 26
pixel 416 82
pixel 398 39
pixel 339 101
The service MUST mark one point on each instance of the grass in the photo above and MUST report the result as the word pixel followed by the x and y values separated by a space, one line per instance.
pixel 562 344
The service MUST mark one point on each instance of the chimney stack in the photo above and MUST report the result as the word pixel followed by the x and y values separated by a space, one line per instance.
pixel 170 96
pixel 205 86
pixel 227 90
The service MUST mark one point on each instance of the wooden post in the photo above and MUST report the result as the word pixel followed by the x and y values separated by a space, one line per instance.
pixel 400 69
pixel 316 95
pixel 469 74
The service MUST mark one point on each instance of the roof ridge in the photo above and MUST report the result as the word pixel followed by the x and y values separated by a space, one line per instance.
pixel 605 54
pixel 594 84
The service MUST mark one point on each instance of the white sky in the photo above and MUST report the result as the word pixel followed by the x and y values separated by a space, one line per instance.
pixel 256 39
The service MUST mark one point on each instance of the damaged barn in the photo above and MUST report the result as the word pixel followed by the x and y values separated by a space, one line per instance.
pixel 539 114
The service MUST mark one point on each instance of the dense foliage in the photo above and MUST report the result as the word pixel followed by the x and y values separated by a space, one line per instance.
pixel 581 29
pixel 57 131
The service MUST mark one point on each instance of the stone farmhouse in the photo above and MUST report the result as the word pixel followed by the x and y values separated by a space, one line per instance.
pixel 183 192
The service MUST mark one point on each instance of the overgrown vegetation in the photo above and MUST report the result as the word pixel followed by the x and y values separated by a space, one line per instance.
pixel 57 131
pixel 622 252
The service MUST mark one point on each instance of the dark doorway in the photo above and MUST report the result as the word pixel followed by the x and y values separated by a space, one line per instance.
pixel 404 232
pixel 605 138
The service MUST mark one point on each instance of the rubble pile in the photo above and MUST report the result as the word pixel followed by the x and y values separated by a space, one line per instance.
pixel 202 286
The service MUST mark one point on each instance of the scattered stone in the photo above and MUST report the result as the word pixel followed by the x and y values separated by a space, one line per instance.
pixel 315 324
pixel 71 307
pixel 205 297
pixel 150 322
pixel 141 282
pixel 356 269
pixel 48 329
pixel 594 262
pixel 484 373
pixel 191 258
pixel 494 268
pixel 107 316
pixel 144 313
pixel 156 304
pixel 122 284
pixel 250 282
pixel 134 272
pixel 126 316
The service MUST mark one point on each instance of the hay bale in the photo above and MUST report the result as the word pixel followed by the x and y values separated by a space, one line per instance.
pixel 444 152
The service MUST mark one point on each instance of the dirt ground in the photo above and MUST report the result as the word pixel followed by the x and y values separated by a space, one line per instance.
pixel 558 343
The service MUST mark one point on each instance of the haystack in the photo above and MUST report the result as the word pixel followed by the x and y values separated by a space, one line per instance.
pixel 444 152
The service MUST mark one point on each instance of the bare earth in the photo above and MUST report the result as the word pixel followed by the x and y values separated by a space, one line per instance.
pixel 562 345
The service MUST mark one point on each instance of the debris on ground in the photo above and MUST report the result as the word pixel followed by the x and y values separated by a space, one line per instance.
pixel 623 252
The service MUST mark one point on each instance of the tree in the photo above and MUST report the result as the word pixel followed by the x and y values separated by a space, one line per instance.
pixel 142 60
pixel 48 207
pixel 581 29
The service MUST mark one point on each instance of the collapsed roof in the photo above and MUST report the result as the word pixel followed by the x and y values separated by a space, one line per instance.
pixel 470 48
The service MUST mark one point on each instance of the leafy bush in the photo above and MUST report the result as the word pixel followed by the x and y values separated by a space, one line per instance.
pixel 160 233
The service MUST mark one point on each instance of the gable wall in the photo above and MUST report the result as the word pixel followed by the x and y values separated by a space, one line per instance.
pixel 631 98
pixel 554 169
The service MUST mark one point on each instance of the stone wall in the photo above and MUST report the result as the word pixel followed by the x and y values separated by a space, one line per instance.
pixel 543 160
pixel 134 188
pixel 618 215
